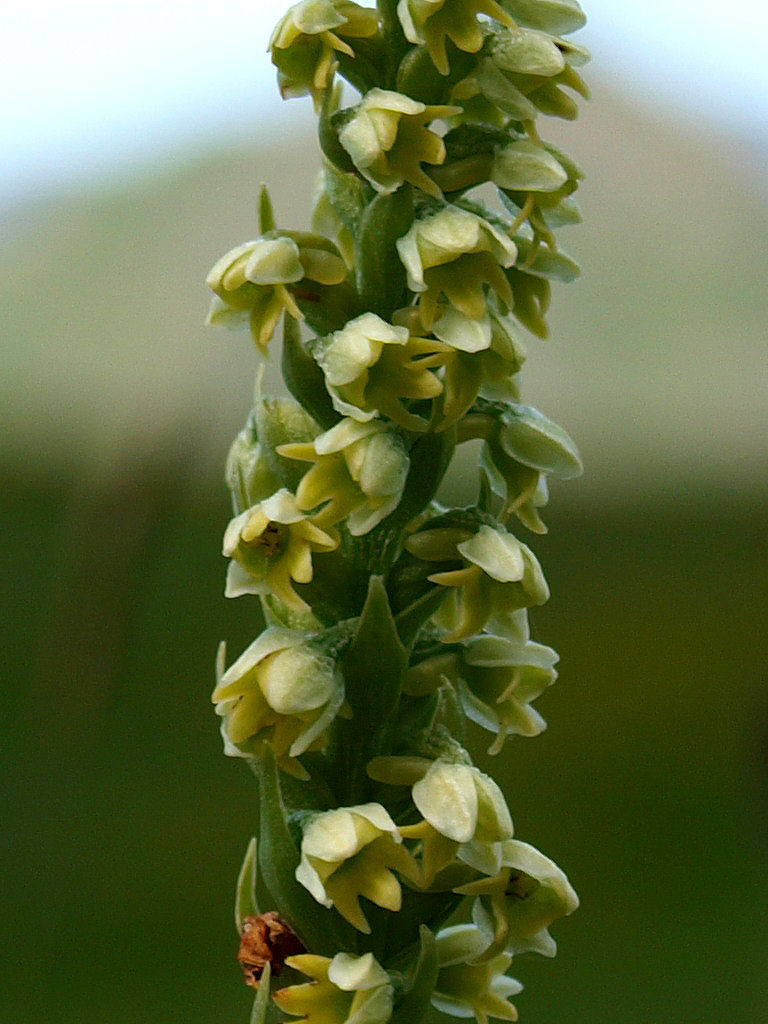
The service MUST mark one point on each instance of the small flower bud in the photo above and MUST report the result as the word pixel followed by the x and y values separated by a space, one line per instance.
pixel 247 472
pixel 556 16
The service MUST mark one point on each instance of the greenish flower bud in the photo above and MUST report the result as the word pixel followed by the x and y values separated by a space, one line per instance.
pixel 529 437
pixel 516 906
pixel 468 985
pixel 307 39
pixel 388 140
pixel 518 457
pixel 247 473
pixel 523 166
pixel 371 367
pixel 556 16
pixel 271 547
pixel 456 253
pixel 430 22
pixel 522 52
pixel 359 473
pixel 345 990
pixel 282 688
pixel 352 852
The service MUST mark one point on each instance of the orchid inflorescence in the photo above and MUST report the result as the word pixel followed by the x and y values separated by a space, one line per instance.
pixel 391 620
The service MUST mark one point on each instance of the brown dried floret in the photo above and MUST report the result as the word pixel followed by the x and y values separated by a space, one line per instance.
pixel 266 939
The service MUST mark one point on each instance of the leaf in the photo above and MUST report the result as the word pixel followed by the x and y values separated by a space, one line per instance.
pixel 304 378
pixel 266 213
pixel 245 898
pixel 373 669
pixel 261 1002
pixel 381 278
pixel 419 982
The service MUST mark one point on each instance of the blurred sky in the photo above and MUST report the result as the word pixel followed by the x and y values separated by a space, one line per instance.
pixel 89 85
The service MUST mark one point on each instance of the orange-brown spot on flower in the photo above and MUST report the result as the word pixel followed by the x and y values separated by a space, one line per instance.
pixel 271 539
pixel 266 939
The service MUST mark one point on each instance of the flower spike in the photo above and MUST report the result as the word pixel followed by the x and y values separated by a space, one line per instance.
pixel 388 620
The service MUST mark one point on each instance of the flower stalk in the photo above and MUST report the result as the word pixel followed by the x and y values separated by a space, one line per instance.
pixel 390 621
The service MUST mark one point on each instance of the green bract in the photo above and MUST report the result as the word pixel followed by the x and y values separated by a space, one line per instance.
pixel 388 620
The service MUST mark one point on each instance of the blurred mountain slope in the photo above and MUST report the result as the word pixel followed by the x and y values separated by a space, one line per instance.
pixel 655 358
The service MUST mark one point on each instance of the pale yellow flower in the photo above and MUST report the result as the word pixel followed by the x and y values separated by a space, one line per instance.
pixel 352 852
pixel 271 547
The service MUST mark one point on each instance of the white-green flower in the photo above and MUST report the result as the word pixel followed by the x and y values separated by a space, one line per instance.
pixel 251 282
pixel 430 22
pixel 352 852
pixel 500 677
pixel 499 576
pixel 388 138
pixel 271 546
pixel 307 39
pixel 468 985
pixel 371 368
pixel 457 254
pixel 281 688
pixel 464 814
pixel 345 990
pixel 516 906
pixel 359 474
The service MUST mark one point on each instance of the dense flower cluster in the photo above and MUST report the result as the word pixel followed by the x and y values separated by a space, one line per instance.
pixel 387 617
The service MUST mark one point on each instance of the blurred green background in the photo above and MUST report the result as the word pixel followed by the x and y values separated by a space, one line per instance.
pixel 123 824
